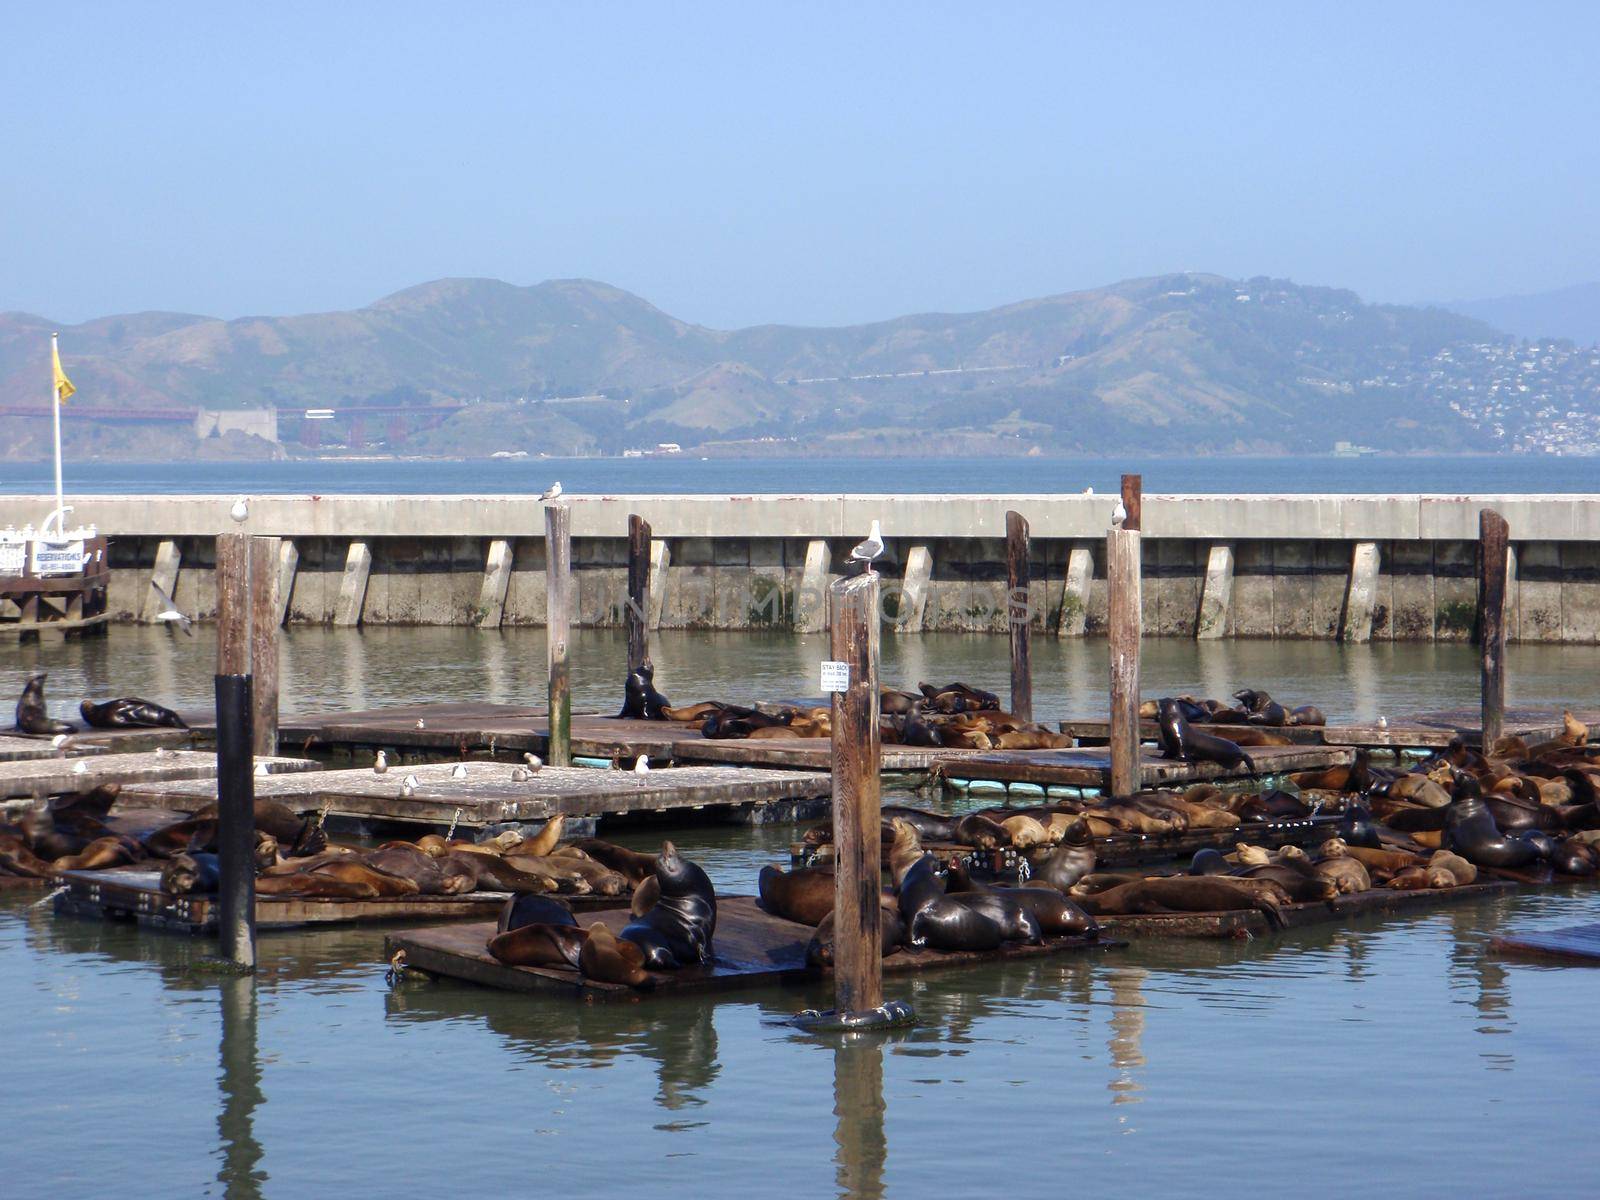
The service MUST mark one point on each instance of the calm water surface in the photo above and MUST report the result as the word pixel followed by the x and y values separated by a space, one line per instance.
pixel 1392 1053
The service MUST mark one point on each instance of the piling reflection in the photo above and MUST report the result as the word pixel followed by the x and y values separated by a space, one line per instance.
pixel 353 659
pixel 860 1143
pixel 1481 980
pixel 1127 1033
pixel 239 1171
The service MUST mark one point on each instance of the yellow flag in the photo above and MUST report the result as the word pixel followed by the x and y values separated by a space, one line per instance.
pixel 64 386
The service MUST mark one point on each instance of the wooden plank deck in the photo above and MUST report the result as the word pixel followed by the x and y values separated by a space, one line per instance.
pixel 1420 731
pixel 1090 766
pixel 1574 943
pixel 489 796
pixel 20 747
pixel 53 776
pixel 1249 923
pixel 753 949
pixel 133 892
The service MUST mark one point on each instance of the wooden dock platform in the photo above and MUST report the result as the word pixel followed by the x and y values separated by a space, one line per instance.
pixel 1572 944
pixel 1249 923
pixel 1414 731
pixel 489 796
pixel 134 893
pixel 54 776
pixel 753 949
pixel 1090 766
pixel 21 747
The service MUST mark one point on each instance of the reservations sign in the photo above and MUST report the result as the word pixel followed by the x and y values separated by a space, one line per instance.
pixel 57 558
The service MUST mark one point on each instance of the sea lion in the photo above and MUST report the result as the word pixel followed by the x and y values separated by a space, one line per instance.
pixel 980 832
pixel 352 871
pixel 936 920
pixel 191 874
pixel 1411 879
pixel 1187 893
pixel 630 864
pixel 1067 863
pixel 1179 741
pixel 1463 871
pixel 99 854
pixel 529 909
pixel 602 880
pixel 904 850
pixel 557 942
pixel 891 934
pixel 930 826
pixel 314 886
pixel 546 840
pixel 641 701
pixel 690 712
pixel 610 959
pixel 17 858
pixel 129 712
pixel 805 894
pixel 1470 831
pixel 1307 714
pixel 1209 861
pixel 565 873
pixel 425 871
pixel 1347 874
pixel 678 929
pixel 96 802
pixel 32 715
pixel 1302 885
pixel 1052 913
pixel 1025 831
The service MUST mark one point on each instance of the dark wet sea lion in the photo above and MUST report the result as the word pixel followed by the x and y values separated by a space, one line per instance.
pixel 630 864
pixel 1067 863
pixel 931 826
pixel 315 886
pixel 1185 893
pixel 1302 886
pixel 350 870
pixel 641 701
pixel 1179 741
pixel 540 945
pixel 530 909
pixel 981 833
pixel 1209 861
pixel 1050 910
pixel 891 934
pixel 678 929
pixel 32 715
pixel 935 920
pixel 1471 832
pixel 408 862
pixel 610 959
pixel 96 802
pixel 1307 714
pixel 191 875
pixel 1572 857
pixel 129 712
pixel 805 894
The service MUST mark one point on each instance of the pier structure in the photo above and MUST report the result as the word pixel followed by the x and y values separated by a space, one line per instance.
pixel 1348 567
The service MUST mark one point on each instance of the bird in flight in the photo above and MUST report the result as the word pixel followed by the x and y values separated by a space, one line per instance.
pixel 553 492
pixel 168 613
pixel 868 550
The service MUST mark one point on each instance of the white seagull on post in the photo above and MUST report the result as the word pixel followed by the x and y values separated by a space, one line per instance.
pixel 1119 514
pixel 551 493
pixel 240 510
pixel 169 614
pixel 380 765
pixel 869 550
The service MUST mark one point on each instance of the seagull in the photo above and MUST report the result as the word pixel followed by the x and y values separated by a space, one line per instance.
pixel 169 614
pixel 868 550
pixel 1088 491
pixel 261 769
pixel 58 741
pixel 421 724
pixel 82 768
pixel 534 762
pixel 642 765
pixel 1383 722
pixel 162 752
pixel 1119 514
pixel 240 510
pixel 381 764
pixel 520 774
pixel 460 771
pixel 553 492
pixel 408 785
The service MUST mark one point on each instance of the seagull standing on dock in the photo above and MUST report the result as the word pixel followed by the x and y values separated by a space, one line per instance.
pixel 169 615
pixel 408 785
pixel 240 510
pixel 460 771
pixel 58 741
pixel 380 764
pixel 866 552
pixel 551 493
pixel 642 765
pixel 1119 514
pixel 534 762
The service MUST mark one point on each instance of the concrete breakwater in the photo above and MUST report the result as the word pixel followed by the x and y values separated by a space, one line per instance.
pixel 1356 568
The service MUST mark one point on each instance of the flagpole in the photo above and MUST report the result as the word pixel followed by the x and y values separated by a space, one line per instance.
pixel 55 412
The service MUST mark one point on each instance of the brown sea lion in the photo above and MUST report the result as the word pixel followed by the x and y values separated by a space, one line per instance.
pixel 408 862
pixel 602 880
pixel 630 864
pixel 905 850
pixel 16 858
pixel 891 934
pixel 1459 867
pixel 563 872
pixel 32 715
pixel 805 894
pixel 1027 740
pixel 980 832
pixel 1024 831
pixel 1411 879
pixel 191 874
pixel 546 839
pixel 609 959
pixel 98 855
pixel 1185 893
pixel 316 886
pixel 349 870
pixel 96 802
pixel 1346 874
pixel 540 945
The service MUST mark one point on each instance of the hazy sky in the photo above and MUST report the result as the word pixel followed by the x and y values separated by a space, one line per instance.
pixel 809 163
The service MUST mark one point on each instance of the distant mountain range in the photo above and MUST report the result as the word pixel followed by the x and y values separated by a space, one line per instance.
pixel 1175 364
pixel 1572 313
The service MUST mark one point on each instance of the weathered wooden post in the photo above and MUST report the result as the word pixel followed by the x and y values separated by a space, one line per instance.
pixel 265 616
pixel 236 822
pixel 1018 615
pixel 1493 536
pixel 638 592
pixel 1123 622
pixel 858 954
pixel 558 629
pixel 1133 501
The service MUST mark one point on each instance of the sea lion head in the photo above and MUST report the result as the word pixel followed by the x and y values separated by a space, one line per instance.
pixel 506 841
pixel 1333 848
pixel 266 854
pixel 1439 877
pixel 1293 852
pixel 1077 834
pixel 179 875
pixel 1252 856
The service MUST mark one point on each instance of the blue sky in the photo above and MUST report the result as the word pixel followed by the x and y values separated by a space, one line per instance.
pixel 809 163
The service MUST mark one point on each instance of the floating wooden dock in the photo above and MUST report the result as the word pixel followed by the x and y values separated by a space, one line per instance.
pixel 1573 944
pixel 1416 731
pixel 489 796
pixel 134 893
pixel 1242 923
pixel 1091 766
pixel 753 949
pixel 54 776
pixel 21 747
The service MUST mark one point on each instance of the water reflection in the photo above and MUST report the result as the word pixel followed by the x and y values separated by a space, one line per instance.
pixel 1481 980
pixel 1127 1033
pixel 239 1171
pixel 861 1146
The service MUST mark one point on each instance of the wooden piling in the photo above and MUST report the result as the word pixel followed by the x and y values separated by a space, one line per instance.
pixel 638 609
pixel 858 961
pixel 265 561
pixel 236 892
pixel 1133 501
pixel 558 629
pixel 1123 621
pixel 1019 612
pixel 1493 535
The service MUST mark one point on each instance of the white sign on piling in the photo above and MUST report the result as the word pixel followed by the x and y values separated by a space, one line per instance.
pixel 835 676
